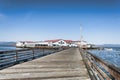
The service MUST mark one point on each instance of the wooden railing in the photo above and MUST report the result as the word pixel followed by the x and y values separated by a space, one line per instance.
pixel 9 58
pixel 98 68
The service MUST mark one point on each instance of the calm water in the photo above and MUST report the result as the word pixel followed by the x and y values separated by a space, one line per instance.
pixel 4 48
pixel 112 56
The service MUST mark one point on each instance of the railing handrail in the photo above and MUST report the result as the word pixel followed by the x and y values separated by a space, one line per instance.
pixel 113 67
pixel 9 51
pixel 24 49
pixel 100 68
pixel 17 56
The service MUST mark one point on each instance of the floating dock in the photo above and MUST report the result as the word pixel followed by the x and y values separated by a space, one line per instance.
pixel 64 65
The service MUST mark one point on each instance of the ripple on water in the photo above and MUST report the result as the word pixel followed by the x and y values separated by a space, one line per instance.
pixel 112 57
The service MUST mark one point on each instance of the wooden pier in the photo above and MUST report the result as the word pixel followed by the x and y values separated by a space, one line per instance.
pixel 64 65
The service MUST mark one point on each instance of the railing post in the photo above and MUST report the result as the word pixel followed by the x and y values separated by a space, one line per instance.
pixel 43 51
pixel 33 53
pixel 16 56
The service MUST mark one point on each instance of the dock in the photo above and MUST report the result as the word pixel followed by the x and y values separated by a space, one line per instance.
pixel 64 65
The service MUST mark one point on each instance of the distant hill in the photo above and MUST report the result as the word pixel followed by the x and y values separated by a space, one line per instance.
pixel 7 43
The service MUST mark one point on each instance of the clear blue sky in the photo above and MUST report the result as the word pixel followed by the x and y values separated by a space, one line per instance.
pixel 54 19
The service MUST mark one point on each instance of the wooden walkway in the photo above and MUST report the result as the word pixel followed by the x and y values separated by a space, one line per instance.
pixel 64 65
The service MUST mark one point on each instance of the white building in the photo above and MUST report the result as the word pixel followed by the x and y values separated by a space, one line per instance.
pixel 24 44
pixel 19 44
pixel 59 42
pixel 82 44
pixel 42 43
pixel 56 42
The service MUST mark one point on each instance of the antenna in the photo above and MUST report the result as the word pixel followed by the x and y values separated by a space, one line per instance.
pixel 81 37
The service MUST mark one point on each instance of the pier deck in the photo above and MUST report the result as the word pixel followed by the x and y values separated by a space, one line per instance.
pixel 64 65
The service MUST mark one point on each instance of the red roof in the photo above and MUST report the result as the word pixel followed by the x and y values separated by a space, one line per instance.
pixel 52 40
pixel 68 41
pixel 56 40
pixel 79 41
pixel 28 41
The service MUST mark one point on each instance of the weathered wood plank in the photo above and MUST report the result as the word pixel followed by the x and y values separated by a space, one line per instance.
pixel 64 65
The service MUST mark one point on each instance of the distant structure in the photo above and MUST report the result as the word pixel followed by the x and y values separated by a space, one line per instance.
pixel 55 42
pixel 60 42
pixel 24 44
pixel 82 43
pixel 81 37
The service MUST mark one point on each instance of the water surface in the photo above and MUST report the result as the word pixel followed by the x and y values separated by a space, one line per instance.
pixel 112 56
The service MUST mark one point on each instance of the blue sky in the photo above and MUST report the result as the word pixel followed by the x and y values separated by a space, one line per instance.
pixel 54 19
